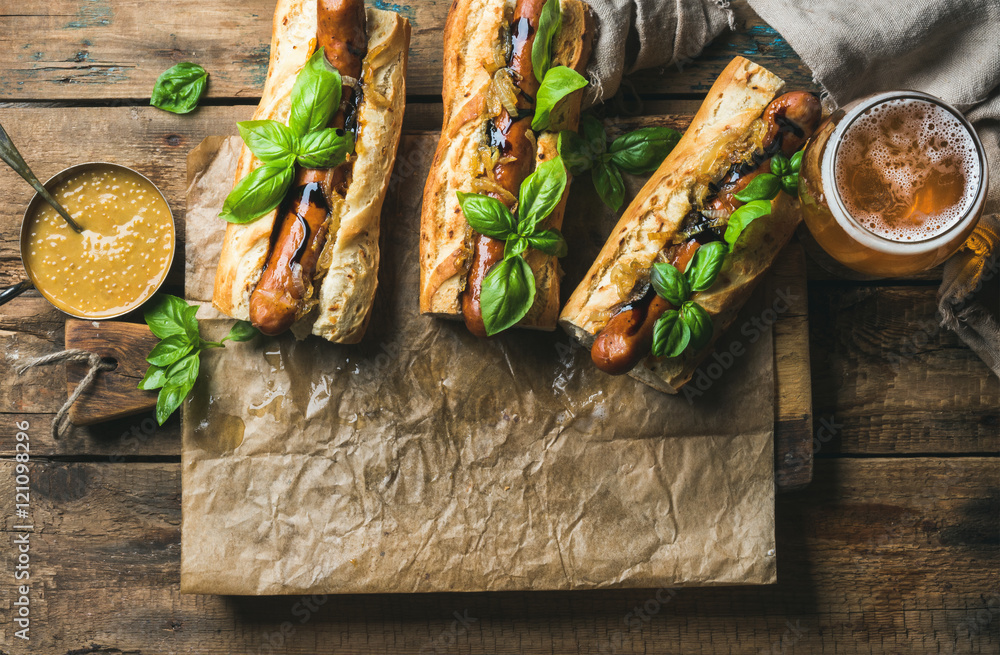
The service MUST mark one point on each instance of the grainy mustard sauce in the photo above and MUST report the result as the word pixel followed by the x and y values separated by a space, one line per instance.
pixel 122 255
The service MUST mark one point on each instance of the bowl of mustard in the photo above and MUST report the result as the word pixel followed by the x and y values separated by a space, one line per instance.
pixel 121 257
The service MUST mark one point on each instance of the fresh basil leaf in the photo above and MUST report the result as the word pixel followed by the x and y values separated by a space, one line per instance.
pixel 507 295
pixel 795 163
pixel 241 331
pixel 699 324
pixel 790 184
pixel 743 216
pixel 515 245
pixel 487 215
pixel 155 378
pixel 166 316
pixel 184 369
pixel 540 194
pixel 551 242
pixel 315 95
pixel 257 193
pixel 549 23
pixel 592 131
pixel 575 152
pixel 269 141
pixel 609 184
pixel 325 148
pixel 643 150
pixel 171 396
pixel 780 165
pixel 670 335
pixel 705 266
pixel 669 283
pixel 170 350
pixel 558 83
pixel 191 323
pixel 179 88
pixel 762 187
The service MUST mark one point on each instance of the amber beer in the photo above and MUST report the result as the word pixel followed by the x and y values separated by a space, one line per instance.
pixel 893 184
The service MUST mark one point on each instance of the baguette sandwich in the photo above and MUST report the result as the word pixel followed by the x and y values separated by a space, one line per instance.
pixel 328 125
pixel 504 60
pixel 701 233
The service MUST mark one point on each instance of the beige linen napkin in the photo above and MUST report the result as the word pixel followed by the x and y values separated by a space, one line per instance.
pixel 637 34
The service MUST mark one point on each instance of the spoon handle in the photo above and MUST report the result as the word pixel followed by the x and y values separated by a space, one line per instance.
pixel 13 291
pixel 9 153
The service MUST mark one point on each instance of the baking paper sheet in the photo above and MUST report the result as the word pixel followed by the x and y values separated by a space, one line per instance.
pixel 424 459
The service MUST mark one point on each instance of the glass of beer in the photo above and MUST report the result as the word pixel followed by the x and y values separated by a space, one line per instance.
pixel 893 184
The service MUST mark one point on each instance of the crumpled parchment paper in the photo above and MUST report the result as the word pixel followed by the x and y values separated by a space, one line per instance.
pixel 424 459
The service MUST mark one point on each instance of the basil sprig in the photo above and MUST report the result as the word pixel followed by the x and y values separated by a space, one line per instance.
pixel 689 325
pixel 179 88
pixel 637 152
pixel 306 140
pixel 175 361
pixel 509 288
pixel 554 83
pixel 761 190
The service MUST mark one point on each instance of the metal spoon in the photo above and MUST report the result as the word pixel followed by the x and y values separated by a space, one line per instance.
pixel 9 154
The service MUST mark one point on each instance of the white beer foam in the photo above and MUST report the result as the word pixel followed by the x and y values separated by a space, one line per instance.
pixel 898 150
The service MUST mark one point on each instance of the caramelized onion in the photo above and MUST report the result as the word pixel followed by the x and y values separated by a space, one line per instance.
pixel 659 238
pixel 626 274
pixel 600 316
pixel 499 57
pixel 488 186
pixel 379 100
pixel 501 94
pixel 715 214
pixel 297 282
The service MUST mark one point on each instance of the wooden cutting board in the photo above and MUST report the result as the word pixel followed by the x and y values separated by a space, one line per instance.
pixel 114 393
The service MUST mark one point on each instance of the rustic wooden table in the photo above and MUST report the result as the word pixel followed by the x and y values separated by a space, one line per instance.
pixel 893 548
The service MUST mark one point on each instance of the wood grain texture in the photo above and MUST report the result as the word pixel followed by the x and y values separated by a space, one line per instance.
pixel 887 378
pixel 793 447
pixel 888 556
pixel 113 394
pixel 102 49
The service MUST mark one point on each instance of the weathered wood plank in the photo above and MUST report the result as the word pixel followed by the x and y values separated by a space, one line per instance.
pixel 883 556
pixel 100 49
pixel 793 409
pixel 888 379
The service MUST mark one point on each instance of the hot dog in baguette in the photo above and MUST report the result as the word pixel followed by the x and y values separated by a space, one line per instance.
pixel 685 256
pixel 499 125
pixel 312 260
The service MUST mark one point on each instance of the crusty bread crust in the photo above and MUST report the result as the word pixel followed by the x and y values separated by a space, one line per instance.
pixel 724 121
pixel 471 31
pixel 351 253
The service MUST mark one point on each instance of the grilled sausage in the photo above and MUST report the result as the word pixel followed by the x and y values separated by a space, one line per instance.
pixel 792 117
pixel 510 136
pixel 287 278
pixel 628 336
